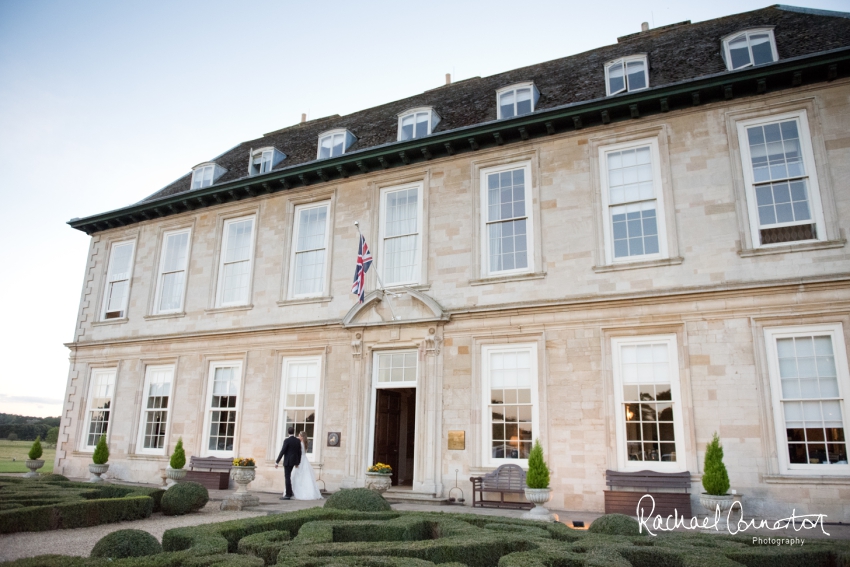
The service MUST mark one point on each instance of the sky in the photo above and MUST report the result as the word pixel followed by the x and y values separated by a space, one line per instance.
pixel 104 103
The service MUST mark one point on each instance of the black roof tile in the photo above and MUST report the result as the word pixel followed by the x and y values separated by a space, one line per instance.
pixel 676 53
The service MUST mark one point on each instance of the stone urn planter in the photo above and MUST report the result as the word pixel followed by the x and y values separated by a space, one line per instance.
pixel 96 471
pixel 711 503
pixel 33 465
pixel 539 497
pixel 172 476
pixel 379 482
pixel 242 476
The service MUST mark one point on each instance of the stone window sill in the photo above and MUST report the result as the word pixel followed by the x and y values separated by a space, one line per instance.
pixel 164 316
pixel 806 479
pixel 638 265
pixel 510 278
pixel 801 247
pixel 305 300
pixel 144 457
pixel 110 322
pixel 227 309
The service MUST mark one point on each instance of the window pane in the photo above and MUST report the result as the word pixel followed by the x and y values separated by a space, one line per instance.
pixel 101 401
pixel 506 104
pixel 312 224
pixel 637 75
pixel 338 145
pixel 176 246
pixel 422 124
pixel 301 387
pixel 117 293
pixel 407 126
pixel 239 240
pixel 235 282
pixel 523 102
pixel 739 51
pixel 397 367
pixel 325 145
pixel 506 195
pixel 402 212
pixel 616 78
pixel 775 151
pixel 807 372
pixel 119 266
pixel 225 389
pixel 171 295
pixel 762 53
pixel 309 272
pixel 510 408
pixel 635 230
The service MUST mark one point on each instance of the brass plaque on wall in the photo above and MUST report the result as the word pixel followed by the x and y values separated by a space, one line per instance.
pixel 457 440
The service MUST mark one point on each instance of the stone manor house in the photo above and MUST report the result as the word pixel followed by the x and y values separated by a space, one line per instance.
pixel 619 253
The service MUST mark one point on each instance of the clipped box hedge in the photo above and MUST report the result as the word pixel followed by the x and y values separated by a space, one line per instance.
pixel 78 514
pixel 37 505
pixel 321 537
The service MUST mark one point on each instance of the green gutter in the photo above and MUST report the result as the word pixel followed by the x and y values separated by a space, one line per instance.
pixel 773 77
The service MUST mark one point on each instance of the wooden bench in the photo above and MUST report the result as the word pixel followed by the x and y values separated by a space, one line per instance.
pixel 217 475
pixel 671 491
pixel 507 479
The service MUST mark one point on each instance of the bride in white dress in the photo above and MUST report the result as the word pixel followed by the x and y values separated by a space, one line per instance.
pixel 303 478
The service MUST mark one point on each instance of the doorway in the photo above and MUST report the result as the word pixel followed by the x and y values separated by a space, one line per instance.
pixel 395 432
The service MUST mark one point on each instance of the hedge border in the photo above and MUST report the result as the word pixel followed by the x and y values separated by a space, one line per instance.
pixel 316 529
pixel 51 505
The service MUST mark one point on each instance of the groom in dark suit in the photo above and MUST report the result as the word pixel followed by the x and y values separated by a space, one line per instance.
pixel 291 455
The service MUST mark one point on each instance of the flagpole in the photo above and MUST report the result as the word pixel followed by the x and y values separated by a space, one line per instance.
pixel 386 294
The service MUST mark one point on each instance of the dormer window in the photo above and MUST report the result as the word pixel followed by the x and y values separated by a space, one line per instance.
pixel 626 74
pixel 417 123
pixel 749 48
pixel 264 160
pixel 334 143
pixel 517 100
pixel 206 174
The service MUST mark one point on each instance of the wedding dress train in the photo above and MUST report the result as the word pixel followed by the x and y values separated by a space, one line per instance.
pixel 304 480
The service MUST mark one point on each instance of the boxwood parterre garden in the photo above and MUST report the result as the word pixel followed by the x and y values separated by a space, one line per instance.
pixel 52 502
pixel 334 536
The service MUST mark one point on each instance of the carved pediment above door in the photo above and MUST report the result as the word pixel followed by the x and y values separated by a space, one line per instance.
pixel 400 306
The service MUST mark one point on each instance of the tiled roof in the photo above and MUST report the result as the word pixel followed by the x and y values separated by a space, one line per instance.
pixel 675 53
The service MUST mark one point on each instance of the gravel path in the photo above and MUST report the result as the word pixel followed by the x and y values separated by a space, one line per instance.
pixel 80 541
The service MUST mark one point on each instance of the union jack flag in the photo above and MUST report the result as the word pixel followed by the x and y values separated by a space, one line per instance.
pixel 364 262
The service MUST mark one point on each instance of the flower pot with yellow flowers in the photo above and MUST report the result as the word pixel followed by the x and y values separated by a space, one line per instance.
pixel 379 477
pixel 243 471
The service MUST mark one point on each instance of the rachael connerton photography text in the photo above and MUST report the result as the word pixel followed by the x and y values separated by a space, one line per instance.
pixel 674 521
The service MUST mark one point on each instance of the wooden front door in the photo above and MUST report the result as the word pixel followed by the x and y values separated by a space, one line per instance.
pixel 387 427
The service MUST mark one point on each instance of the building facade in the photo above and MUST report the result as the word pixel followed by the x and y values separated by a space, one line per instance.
pixel 618 253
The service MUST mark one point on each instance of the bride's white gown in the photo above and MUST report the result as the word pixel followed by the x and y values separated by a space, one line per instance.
pixel 304 480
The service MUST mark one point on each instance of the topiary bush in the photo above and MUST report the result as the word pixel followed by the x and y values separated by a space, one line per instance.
pixel 715 479
pixel 178 458
pixel 615 524
pixel 126 543
pixel 53 477
pixel 183 498
pixel 538 473
pixel 35 450
pixel 101 452
pixel 358 499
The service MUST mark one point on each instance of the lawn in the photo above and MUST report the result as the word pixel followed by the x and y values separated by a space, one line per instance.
pixel 18 450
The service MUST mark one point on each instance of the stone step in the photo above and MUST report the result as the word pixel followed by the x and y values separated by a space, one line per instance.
pixel 408 496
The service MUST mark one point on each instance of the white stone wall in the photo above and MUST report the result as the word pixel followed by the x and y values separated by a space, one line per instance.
pixel 715 300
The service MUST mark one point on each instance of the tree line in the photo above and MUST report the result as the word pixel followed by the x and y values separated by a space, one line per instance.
pixel 27 428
